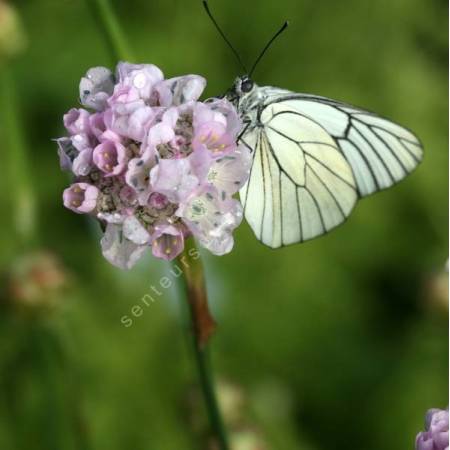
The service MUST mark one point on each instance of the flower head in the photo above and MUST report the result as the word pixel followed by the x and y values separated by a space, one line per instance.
pixel 435 436
pixel 153 163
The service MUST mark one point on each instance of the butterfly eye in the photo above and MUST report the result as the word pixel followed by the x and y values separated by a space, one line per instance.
pixel 247 85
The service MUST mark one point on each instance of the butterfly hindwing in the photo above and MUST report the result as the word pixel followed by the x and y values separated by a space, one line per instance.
pixel 300 184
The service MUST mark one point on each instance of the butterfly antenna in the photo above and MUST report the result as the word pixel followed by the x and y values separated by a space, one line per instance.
pixel 206 6
pixel 285 25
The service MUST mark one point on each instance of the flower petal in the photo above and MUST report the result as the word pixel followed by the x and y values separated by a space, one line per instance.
pixel 135 232
pixel 118 250
pixel 186 88
pixel 95 88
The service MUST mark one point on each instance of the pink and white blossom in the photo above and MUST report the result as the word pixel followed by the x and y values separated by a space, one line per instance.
pixel 96 87
pixel 167 241
pixel 81 198
pixel 174 179
pixel 76 121
pixel 140 77
pixel 212 219
pixel 110 157
pixel 152 163
pixel 83 163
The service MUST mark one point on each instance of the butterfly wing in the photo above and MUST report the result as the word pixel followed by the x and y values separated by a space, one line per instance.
pixel 300 185
pixel 379 151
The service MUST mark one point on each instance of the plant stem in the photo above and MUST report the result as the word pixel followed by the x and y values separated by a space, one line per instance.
pixel 193 284
pixel 111 30
pixel 23 197
pixel 192 278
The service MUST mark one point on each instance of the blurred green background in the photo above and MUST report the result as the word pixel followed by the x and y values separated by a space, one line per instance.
pixel 338 343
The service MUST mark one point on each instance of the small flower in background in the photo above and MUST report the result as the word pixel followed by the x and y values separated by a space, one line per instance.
pixel 435 436
pixel 12 37
pixel 233 402
pixel 435 291
pixel 152 163
pixel 236 410
pixel 35 281
pixel 247 439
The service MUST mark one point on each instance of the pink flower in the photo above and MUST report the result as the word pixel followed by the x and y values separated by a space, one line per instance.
pixel 163 131
pixel 179 90
pixel 125 100
pixel 214 137
pixel 110 157
pixel 167 242
pixel 130 116
pixel 83 163
pixel 157 200
pixel 80 198
pixel 229 112
pixel 81 141
pixel 201 161
pixel 212 219
pixel 76 121
pixel 97 124
pixel 229 173
pixel 138 123
pixel 134 231
pixel 211 129
pixel 138 176
pixel 110 135
pixel 141 77
pixel 152 163
pixel 118 250
pixel 79 162
pixel 161 95
pixel 96 87
pixel 66 152
pixel 204 114
pixel 174 179
pixel 435 436
pixel 128 196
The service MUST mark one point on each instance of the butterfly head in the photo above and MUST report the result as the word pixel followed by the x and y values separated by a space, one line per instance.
pixel 242 87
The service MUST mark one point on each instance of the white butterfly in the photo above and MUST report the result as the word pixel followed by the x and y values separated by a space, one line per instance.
pixel 313 157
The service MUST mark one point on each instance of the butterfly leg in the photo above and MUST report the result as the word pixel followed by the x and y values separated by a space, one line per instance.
pixel 244 129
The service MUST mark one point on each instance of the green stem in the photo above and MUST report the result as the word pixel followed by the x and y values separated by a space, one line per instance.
pixel 203 325
pixel 111 30
pixel 207 385
pixel 192 279
pixel 24 201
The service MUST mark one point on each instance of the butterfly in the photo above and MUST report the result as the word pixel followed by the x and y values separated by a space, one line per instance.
pixel 313 158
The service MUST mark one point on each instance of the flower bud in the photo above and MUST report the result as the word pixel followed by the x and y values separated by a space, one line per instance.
pixel 35 281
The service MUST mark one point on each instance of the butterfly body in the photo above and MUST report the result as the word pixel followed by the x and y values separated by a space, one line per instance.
pixel 313 157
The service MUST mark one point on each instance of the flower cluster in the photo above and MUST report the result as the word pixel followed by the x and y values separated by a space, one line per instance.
pixel 435 436
pixel 152 163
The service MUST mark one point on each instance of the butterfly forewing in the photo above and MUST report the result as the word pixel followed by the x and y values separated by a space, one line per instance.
pixel 379 151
